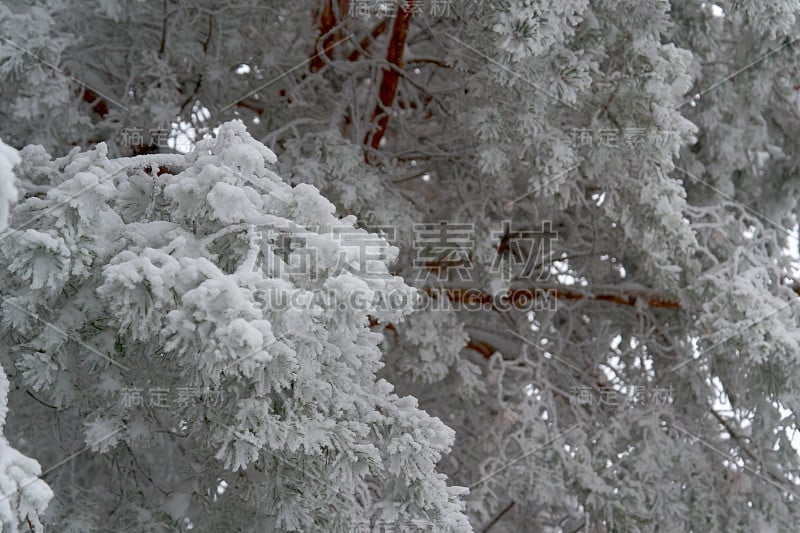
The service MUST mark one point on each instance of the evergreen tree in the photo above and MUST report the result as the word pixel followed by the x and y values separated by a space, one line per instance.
pixel 423 265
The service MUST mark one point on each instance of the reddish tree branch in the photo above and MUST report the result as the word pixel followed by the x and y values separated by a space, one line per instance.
pixel 391 75
pixel 254 108
pixel 522 297
pixel 483 348
pixel 327 38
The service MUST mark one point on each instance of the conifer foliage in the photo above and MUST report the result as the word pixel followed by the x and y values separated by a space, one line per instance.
pixel 159 271
pixel 414 265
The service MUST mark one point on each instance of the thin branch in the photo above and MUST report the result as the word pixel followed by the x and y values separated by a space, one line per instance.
pixel 497 518
pixel 366 42
pixel 200 76
pixel 163 44
pixel 734 435
pixel 431 61
pixel 29 393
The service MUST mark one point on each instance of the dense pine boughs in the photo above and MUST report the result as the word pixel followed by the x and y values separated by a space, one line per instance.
pixel 167 296
pixel 194 325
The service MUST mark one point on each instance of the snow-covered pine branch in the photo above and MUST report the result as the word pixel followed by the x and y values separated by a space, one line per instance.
pixel 120 278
